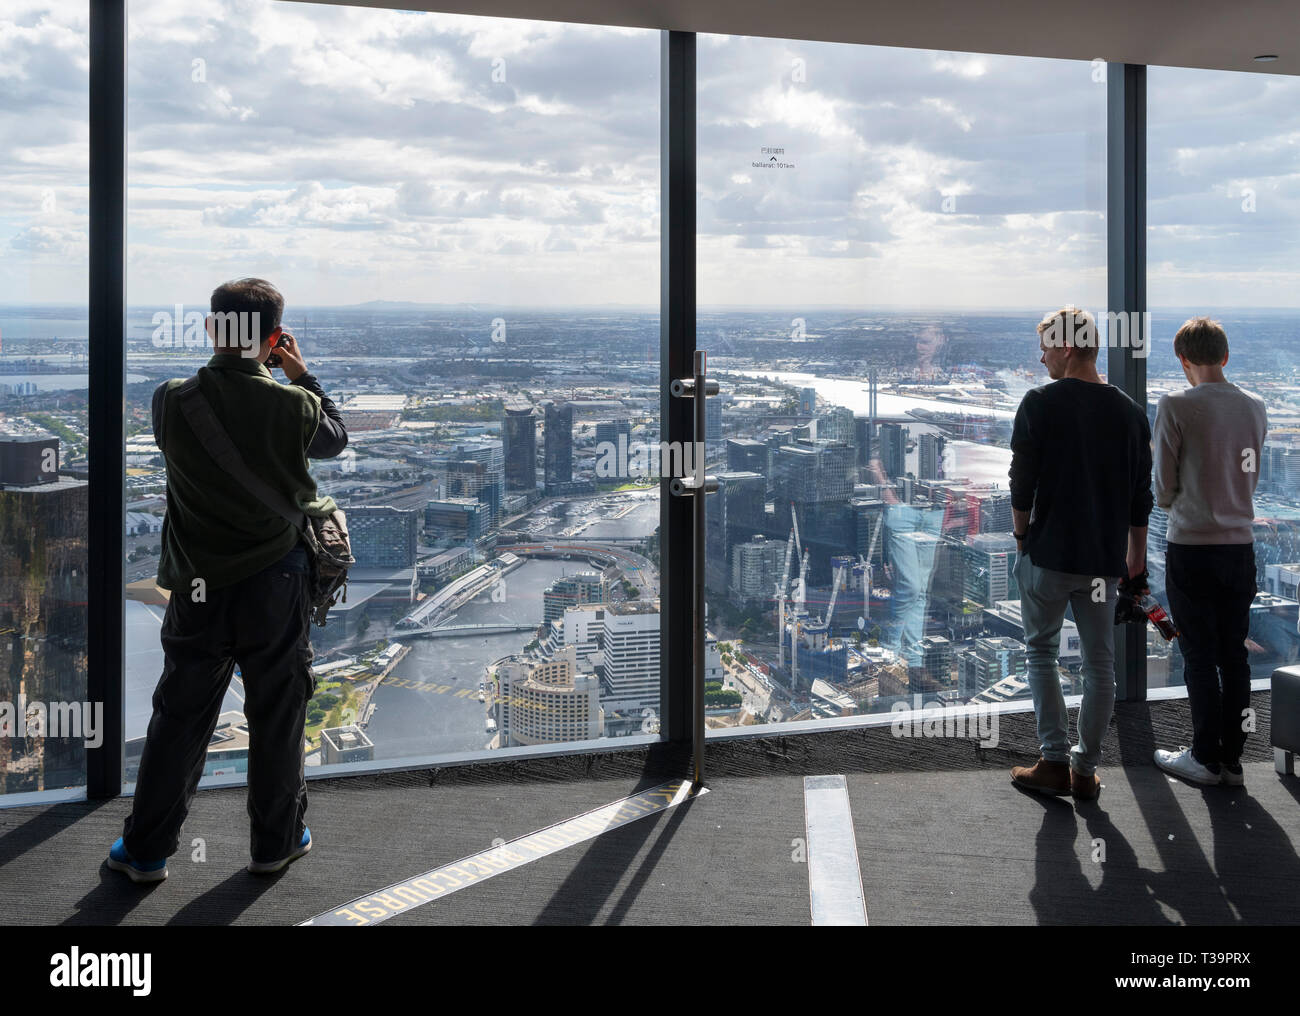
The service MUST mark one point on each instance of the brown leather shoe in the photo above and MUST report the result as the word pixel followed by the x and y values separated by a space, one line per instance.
pixel 1085 788
pixel 1043 776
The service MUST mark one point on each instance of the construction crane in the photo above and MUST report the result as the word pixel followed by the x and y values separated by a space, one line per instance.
pixel 794 624
pixel 835 591
pixel 868 572
pixel 781 589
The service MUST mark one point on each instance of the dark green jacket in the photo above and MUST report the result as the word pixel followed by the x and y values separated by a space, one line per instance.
pixel 214 529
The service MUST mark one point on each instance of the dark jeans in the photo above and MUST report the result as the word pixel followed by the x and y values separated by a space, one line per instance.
pixel 261 623
pixel 1210 589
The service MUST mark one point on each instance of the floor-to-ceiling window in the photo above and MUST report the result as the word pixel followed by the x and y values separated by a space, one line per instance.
pixel 462 216
pixel 45 721
pixel 1223 221
pixel 880 230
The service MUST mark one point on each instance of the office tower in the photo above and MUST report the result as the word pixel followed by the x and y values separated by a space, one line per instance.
pixel 569 591
pixel 736 512
pixel 1280 466
pixel 813 471
pixel 713 420
pixel 987 510
pixel 930 457
pixel 838 424
pixel 756 568
pixel 990 568
pixel 936 665
pixel 557 448
pixel 864 434
pixel 613 449
pixel 473 467
pixel 631 656
pixel 892 446
pixel 548 701
pixel 807 401
pixel 745 455
pixel 43 521
pixel 384 537
pixel 519 441
pixel 869 524
pixel 583 627
pixel 608 431
pixel 987 661
pixel 461 520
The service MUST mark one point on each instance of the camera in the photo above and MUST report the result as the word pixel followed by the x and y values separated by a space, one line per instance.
pixel 274 360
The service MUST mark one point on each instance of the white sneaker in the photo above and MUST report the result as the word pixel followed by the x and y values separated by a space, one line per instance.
pixel 1182 763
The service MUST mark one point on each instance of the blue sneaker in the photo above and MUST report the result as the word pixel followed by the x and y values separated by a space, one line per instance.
pixel 136 871
pixel 269 867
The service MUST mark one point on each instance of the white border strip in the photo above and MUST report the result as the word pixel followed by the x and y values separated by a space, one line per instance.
pixel 834 877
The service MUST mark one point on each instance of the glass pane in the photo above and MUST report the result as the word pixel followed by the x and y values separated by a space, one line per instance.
pixel 45 720
pixel 880 231
pixel 461 214
pixel 1224 241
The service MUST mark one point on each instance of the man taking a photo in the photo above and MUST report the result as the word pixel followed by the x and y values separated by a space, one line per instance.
pixel 239 576
pixel 1080 499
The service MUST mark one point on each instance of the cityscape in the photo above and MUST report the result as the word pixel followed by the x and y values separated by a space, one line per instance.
pixel 502 490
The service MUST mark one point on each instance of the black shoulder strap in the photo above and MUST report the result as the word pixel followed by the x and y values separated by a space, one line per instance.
pixel 207 428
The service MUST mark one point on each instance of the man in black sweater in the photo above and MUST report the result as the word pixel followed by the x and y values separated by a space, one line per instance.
pixel 1080 499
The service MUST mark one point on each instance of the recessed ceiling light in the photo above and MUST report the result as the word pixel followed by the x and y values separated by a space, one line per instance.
pixel 1266 57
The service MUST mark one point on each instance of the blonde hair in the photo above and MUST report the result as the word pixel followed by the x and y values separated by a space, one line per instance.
pixel 1070 326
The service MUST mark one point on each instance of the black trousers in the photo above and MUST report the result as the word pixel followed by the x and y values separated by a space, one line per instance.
pixel 1211 588
pixel 262 624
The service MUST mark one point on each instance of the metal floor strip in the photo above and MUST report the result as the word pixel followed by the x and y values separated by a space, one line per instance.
pixel 436 883
pixel 834 877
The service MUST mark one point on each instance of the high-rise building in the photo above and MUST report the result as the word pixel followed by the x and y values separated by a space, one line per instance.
pixel 838 424
pixel 473 467
pixel 756 568
pixel 936 665
pixel 813 471
pixel 930 457
pixel 869 519
pixel 570 591
pixel 43 520
pixel 987 661
pixel 807 401
pixel 990 568
pixel 614 452
pixel 736 512
pixel 865 438
pixel 713 420
pixel 548 701
pixel 630 659
pixel 557 448
pixel 892 446
pixel 461 520
pixel 519 441
pixel 745 455
pixel 384 537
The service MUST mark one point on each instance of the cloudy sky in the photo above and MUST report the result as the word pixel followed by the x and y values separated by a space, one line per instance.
pixel 355 154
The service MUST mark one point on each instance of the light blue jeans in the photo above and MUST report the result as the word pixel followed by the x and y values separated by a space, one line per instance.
pixel 1044 596
pixel 913 563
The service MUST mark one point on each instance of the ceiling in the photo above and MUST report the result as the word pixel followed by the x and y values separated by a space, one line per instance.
pixel 1185 33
